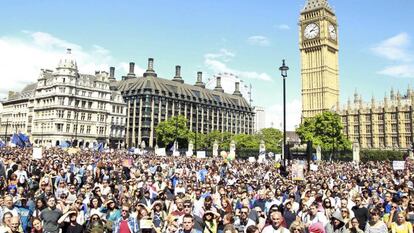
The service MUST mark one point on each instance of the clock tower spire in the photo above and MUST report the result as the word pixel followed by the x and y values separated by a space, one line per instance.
pixel 318 44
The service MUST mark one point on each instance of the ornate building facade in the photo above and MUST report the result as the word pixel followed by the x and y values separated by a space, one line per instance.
pixel 377 124
pixel 64 106
pixel 151 100
pixel 318 44
pixel 380 124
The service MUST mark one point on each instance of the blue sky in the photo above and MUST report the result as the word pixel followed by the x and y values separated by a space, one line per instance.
pixel 249 38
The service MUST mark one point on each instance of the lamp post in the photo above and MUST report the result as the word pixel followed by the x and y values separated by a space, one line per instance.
pixel 5 133
pixel 176 134
pixel 42 133
pixel 283 71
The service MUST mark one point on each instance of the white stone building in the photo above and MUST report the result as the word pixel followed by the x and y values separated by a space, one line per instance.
pixel 65 106
pixel 259 118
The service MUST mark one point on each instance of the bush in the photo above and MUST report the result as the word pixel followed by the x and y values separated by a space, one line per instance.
pixel 369 155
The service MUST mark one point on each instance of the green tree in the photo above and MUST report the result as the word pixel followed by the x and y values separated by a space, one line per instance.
pixel 174 127
pixel 201 140
pixel 244 141
pixel 214 135
pixel 224 144
pixel 272 138
pixel 325 130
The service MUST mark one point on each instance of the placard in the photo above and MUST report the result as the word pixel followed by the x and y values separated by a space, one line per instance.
pixel 37 153
pixel 160 152
pixel 201 154
pixel 314 167
pixel 297 172
pixel 252 159
pixel 176 153
pixel 398 165
pixel 127 163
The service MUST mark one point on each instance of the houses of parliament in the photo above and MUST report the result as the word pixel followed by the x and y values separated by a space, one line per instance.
pixel 385 124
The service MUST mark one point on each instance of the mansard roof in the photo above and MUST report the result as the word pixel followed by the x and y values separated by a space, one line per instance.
pixel 169 88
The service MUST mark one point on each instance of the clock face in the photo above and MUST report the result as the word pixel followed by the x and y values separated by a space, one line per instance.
pixel 332 31
pixel 311 31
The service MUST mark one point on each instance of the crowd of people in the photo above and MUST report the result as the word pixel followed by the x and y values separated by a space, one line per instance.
pixel 119 192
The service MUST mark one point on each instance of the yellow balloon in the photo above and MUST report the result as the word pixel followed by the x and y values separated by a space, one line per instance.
pixel 231 156
pixel 277 165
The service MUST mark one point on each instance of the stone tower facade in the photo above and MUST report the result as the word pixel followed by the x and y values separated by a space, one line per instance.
pixel 318 43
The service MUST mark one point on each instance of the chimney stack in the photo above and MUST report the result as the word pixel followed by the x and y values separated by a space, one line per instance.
pixel 112 73
pixel 218 85
pixel 131 69
pixel 237 89
pixel 177 77
pixel 150 70
pixel 199 82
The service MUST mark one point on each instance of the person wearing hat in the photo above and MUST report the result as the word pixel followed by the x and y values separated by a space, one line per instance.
pixel 316 228
pixel 210 221
pixel 112 212
pixel 158 215
pixel 337 224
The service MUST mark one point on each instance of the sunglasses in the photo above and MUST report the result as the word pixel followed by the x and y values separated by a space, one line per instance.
pixel 79 203
pixel 95 219
pixel 125 211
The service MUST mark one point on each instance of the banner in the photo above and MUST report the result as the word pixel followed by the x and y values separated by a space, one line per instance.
pixel 252 159
pixel 297 172
pixel 398 165
pixel 37 153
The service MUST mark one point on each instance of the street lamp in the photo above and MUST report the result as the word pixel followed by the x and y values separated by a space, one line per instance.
pixel 283 71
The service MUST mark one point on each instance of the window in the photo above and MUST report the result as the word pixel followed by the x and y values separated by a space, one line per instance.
pixel 59 127
pixel 368 117
pixel 394 128
pixel 88 129
pixel 393 116
pixel 368 128
pixel 89 116
pixel 394 141
pixel 89 105
pixel 69 114
pixel 408 140
pixel 407 115
pixel 75 128
pixel 381 117
pixel 381 128
pixel 83 116
pixel 82 129
pixel 407 127
pixel 356 129
pixel 67 128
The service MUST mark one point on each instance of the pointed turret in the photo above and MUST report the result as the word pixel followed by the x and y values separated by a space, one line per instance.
pixel 373 104
pixel 316 4
pixel 67 65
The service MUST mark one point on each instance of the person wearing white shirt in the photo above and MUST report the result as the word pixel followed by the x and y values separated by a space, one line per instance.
pixel 276 227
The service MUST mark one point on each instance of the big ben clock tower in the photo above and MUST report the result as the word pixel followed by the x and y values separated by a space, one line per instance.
pixel 318 39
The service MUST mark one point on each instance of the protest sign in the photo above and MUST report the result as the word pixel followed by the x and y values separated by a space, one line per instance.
pixel 37 153
pixel 201 154
pixel 398 165
pixel 127 163
pixel 314 167
pixel 160 152
pixel 297 172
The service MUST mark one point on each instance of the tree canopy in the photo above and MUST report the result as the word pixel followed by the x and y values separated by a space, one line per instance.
pixel 325 130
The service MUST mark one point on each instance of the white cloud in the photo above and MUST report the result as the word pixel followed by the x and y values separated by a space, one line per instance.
pixel 21 58
pixel 397 50
pixel 274 115
pixel 283 27
pixel 258 41
pixel 394 48
pixel 216 62
pixel 399 71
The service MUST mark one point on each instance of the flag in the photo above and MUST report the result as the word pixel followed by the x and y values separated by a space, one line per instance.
pixel 63 144
pixel 99 147
pixel 17 141
pixel 25 139
pixel 2 144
